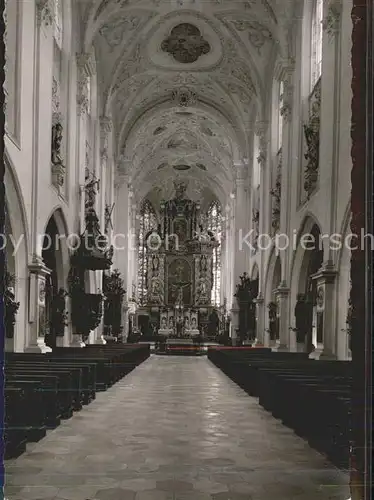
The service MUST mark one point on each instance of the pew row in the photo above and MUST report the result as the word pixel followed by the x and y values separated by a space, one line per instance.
pixel 310 397
pixel 43 389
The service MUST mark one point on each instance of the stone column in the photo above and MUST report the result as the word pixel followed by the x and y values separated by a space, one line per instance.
pixel 282 294
pixel 106 127
pixel 325 279
pixel 234 325
pixel 121 221
pixel 39 323
pixel 261 131
pixel 238 234
pixel 82 108
pixel 242 218
pixel 260 323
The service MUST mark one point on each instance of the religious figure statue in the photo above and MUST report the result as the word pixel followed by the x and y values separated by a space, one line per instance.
pixel 187 322
pixel 203 264
pixel 179 205
pixel 56 156
pixel 194 323
pixel 202 292
pixel 301 318
pixel 179 326
pixel 202 235
pixel 59 314
pixel 155 263
pixel 155 290
pixel 91 188
pixel 164 323
pixel 272 307
pixel 213 326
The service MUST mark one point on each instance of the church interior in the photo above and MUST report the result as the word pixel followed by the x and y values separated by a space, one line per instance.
pixel 178 249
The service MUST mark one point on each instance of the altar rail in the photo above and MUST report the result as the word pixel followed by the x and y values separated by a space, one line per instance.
pixel 311 397
pixel 43 389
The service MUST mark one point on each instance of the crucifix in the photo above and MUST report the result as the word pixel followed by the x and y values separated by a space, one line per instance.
pixel 179 286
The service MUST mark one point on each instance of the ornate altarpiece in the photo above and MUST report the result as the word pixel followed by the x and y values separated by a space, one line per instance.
pixel 179 266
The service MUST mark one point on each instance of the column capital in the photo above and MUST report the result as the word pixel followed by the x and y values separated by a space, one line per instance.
pixel 106 125
pixel 261 128
pixel 44 12
pixel 282 290
pixel 86 63
pixel 326 274
pixel 331 21
pixel 284 69
pixel 241 171
pixel 259 299
pixel 38 267
pixel 123 165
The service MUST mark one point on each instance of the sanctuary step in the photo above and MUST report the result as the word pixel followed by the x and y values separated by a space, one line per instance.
pixel 311 397
pixel 43 389
pixel 181 347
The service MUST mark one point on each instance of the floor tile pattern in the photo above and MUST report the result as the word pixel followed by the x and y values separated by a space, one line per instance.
pixel 176 428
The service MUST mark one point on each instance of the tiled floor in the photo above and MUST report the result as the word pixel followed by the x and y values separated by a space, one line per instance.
pixel 174 429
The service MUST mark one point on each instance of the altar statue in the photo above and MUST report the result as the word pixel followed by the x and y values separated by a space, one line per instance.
pixel 179 205
pixel 155 263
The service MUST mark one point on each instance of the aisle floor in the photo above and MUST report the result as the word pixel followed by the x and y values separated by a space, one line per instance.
pixel 176 428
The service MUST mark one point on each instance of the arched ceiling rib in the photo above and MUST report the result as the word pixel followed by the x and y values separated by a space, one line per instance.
pixel 217 52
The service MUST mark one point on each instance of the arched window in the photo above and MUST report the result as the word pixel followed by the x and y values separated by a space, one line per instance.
pixel 280 117
pixel 147 223
pixel 316 42
pixel 214 224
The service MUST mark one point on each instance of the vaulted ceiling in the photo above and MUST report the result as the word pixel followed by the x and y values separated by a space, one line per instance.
pixel 183 81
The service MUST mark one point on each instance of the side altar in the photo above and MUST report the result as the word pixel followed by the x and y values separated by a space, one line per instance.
pixel 180 269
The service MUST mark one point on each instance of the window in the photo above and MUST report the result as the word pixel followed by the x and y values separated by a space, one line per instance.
pixel 147 223
pixel 316 52
pixel 214 224
pixel 280 117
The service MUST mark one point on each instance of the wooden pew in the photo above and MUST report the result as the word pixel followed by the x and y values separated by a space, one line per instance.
pixel 42 389
pixel 311 397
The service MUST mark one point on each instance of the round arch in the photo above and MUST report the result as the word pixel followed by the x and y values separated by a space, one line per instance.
pixel 306 262
pixel 57 225
pixel 273 276
pixel 55 254
pixel 343 266
pixel 254 273
pixel 17 251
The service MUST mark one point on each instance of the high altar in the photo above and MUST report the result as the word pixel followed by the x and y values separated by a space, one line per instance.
pixel 180 269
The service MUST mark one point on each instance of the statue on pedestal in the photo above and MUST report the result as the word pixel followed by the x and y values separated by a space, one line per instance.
pixel 301 318
pixel 272 307
pixel 56 155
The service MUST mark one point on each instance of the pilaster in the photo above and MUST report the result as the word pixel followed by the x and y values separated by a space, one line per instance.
pixel 282 298
pixel 260 320
pixel 326 283
pixel 261 130
pixel 38 273
pixel 44 12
